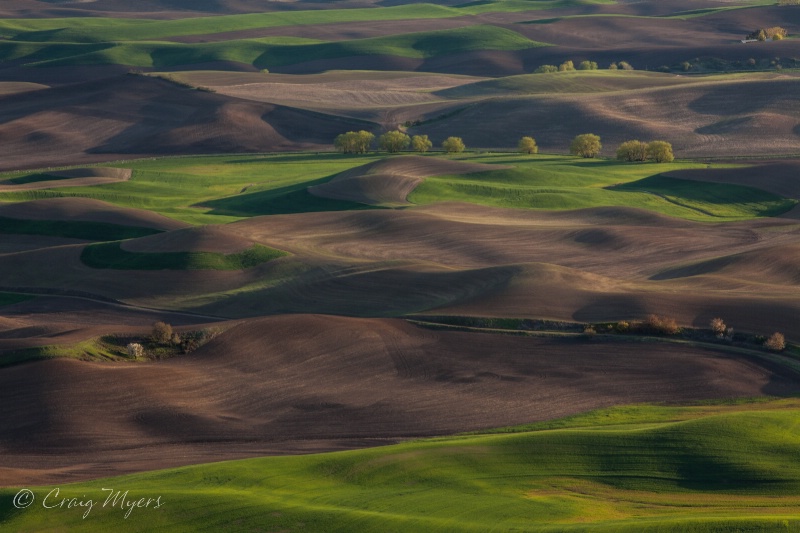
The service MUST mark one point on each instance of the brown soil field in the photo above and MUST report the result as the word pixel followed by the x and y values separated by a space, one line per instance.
pixel 389 181
pixel 354 93
pixel 723 118
pixel 10 87
pixel 299 383
pixel 62 320
pixel 595 264
pixel 587 265
pixel 198 239
pixel 100 120
pixel 87 209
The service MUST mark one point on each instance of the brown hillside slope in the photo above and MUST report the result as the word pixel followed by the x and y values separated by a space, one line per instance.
pixel 310 383
pixel 99 120
pixel 592 264
pixel 735 118
pixel 90 210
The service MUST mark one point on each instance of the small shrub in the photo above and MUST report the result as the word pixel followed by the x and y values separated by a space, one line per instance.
pixel 193 340
pixel 589 330
pixel 624 65
pixel 776 342
pixel 176 339
pixel 566 66
pixel 729 334
pixel 613 66
pixel 623 326
pixel 660 325
pixel 587 65
pixel 718 327
pixel 135 350
pixel 546 69
pixel 162 333
pixel 632 151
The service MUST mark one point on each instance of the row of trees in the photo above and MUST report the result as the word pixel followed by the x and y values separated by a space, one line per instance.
pixel 567 66
pixel 776 33
pixel 585 145
pixel 658 151
pixel 359 142
pixel 589 145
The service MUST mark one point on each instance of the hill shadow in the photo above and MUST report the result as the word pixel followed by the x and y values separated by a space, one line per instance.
pixel 282 201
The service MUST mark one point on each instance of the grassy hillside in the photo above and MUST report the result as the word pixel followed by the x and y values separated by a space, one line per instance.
pixel 183 188
pixel 226 188
pixel 586 81
pixel 111 29
pixel 93 30
pixel 563 183
pixel 641 468
pixel 265 53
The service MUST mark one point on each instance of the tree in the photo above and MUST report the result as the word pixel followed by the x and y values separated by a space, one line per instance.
pixel 761 35
pixel 527 145
pixel 660 151
pixel 135 350
pixel 453 145
pixel 586 145
pixel 718 327
pixel 421 143
pixel 632 151
pixel 613 66
pixel 776 342
pixel 777 37
pixel 394 141
pixel 624 65
pixel 661 325
pixel 354 142
pixel 162 332
pixel 546 69
pixel 565 66
pixel 587 65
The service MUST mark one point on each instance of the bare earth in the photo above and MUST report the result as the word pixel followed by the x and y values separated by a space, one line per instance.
pixel 311 383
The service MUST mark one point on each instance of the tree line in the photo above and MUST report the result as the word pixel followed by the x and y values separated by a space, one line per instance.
pixel 359 142
pixel 569 65
pixel 586 145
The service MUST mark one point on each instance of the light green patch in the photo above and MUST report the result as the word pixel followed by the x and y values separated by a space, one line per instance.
pixel 215 189
pixel 561 183
pixel 266 53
